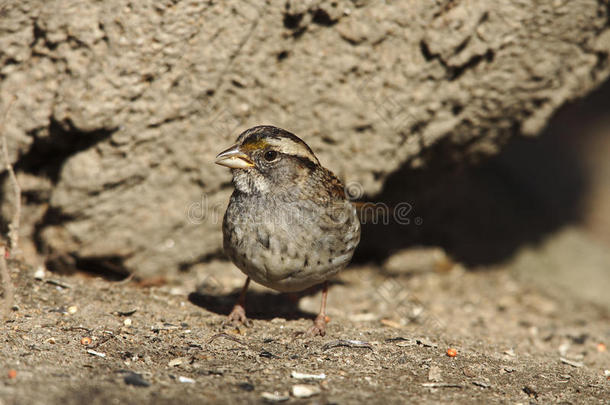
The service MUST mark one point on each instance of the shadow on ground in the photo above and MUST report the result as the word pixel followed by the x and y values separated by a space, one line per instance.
pixel 259 305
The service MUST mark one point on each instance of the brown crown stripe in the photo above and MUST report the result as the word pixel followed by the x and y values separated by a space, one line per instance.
pixel 285 145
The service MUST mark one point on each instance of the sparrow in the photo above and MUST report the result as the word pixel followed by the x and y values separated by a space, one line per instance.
pixel 289 225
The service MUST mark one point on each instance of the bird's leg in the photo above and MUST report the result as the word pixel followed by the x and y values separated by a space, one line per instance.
pixel 319 324
pixel 238 314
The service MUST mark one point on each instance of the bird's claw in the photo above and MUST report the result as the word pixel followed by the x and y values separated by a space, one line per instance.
pixel 237 316
pixel 319 326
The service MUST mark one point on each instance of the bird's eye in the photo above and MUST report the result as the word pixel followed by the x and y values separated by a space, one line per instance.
pixel 270 155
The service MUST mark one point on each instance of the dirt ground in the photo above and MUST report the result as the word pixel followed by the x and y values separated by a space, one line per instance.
pixel 162 341
pixel 531 325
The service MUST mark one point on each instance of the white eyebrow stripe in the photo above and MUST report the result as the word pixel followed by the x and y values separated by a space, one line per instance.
pixel 291 147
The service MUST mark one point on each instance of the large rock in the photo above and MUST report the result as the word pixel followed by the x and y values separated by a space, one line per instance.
pixel 121 106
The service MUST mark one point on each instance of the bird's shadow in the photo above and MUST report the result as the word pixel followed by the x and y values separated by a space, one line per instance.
pixel 259 305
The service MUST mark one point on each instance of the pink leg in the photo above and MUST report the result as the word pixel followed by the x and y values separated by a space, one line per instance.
pixel 238 314
pixel 319 324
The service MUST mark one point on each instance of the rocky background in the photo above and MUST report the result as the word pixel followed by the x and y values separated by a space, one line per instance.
pixel 118 108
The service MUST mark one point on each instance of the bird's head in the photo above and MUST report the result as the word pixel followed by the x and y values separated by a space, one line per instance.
pixel 268 159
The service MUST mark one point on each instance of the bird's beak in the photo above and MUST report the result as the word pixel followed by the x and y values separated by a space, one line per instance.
pixel 234 158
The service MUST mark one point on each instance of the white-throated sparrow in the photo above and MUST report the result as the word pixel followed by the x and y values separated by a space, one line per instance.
pixel 288 225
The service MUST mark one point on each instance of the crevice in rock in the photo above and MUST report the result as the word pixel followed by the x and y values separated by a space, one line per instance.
pixel 51 217
pixel 48 153
pixel 425 51
pixel 482 215
pixel 292 21
pixel 282 55
pixel 45 158
pixel 321 17
pixel 40 35
pixel 109 267
pixel 454 72
pixel 600 65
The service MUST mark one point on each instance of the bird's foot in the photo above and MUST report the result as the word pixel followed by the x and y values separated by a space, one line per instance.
pixel 237 316
pixel 319 326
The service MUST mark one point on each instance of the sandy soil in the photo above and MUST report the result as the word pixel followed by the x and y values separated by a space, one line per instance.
pixel 79 339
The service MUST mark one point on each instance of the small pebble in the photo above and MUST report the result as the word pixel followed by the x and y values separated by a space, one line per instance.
pixel 51 341
pixel 563 348
pixel 127 322
pixel 186 380
pixel 530 391
pixel 427 343
pixel 127 313
pixel 435 374
pixel 275 396
pixel 305 391
pixel 451 352
pixel 305 376
pixel 39 274
pixel 483 383
pixel 98 354
pixel 390 323
pixel 85 341
pixel 469 372
pixel 135 379
pixel 72 309
pixel 12 374
pixel 572 363
pixel 175 362
pixel 246 386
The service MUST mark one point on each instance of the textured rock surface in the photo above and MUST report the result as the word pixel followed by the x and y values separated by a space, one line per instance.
pixel 121 106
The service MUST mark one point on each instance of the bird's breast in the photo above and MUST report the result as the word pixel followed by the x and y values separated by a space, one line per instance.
pixel 289 246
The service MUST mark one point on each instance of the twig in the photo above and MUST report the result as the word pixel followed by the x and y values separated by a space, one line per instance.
pixel 226 336
pixel 572 363
pixel 13 233
pixel 101 341
pixel 7 284
pixel 442 385
pixel 347 343
pixel 57 283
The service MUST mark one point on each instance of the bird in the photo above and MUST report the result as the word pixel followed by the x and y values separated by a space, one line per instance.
pixel 289 224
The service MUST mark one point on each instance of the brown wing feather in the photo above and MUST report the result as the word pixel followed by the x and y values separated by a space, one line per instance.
pixel 336 186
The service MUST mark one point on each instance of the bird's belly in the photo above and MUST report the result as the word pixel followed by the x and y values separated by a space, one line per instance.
pixel 288 257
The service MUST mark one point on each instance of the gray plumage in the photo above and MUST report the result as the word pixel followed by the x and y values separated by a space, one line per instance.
pixel 288 225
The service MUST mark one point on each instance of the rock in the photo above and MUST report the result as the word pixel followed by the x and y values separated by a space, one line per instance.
pixel 121 108
pixel 275 396
pixel 186 380
pixel 176 361
pixel 306 376
pixel 417 260
pixel 435 374
pixel 135 379
pixel 304 390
